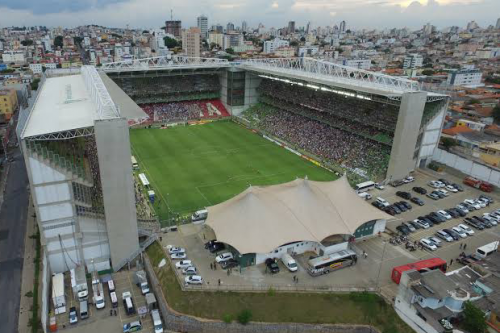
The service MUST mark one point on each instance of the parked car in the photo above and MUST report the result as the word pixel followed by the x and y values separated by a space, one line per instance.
pixel 444 214
pixel 434 219
pixel 481 203
pixel 426 220
pixel 490 199
pixel 458 187
pixel 433 196
pixel 365 195
pixel 409 179
pixel 224 257
pixel 460 232
pixel 183 264
pixel 466 229
pixel 231 263
pixel 436 241
pixel 193 279
pixel 191 270
pixel 444 235
pixel 440 217
pixel 436 184
pixel 73 315
pixel 403 229
pixel 429 245
pixel 396 209
pixel 423 224
pixel 417 201
pixel 400 206
pixel 176 256
pixel 461 212
pixel 174 249
pixel 415 225
pixel 451 188
pixel 439 194
pixel 474 223
pixel 378 205
pixel 491 219
pixel 463 208
pixel 443 192
pixel 404 195
pixel 384 202
pixel 216 247
pixel 472 203
pixel 470 207
pixel 484 202
pixel 444 181
pixel 132 327
pixel 379 186
pixel 272 266
pixel 389 210
pixel 419 190
pixel 452 212
pixel 452 233
pixel 409 226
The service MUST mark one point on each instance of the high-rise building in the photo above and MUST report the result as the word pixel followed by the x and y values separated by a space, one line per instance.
pixel 472 25
pixel 498 23
pixel 308 28
pixel 342 26
pixel 191 42
pixel 413 61
pixel 291 27
pixel 271 45
pixel 229 27
pixel 173 28
pixel 427 29
pixel 244 26
pixel 203 25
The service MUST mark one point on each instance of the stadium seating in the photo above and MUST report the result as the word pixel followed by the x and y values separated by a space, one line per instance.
pixel 185 111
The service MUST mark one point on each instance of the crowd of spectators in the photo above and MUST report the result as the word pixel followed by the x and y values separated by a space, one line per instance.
pixel 184 111
pixel 367 113
pixel 170 88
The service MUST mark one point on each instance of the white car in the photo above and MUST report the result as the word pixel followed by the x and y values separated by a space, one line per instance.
pixel 444 214
pixel 436 241
pixel 224 257
pixel 183 264
pixel 436 184
pixel 482 204
pixel 180 255
pixel 444 192
pixel 379 186
pixel 485 201
pixel 460 232
pixel 466 229
pixel 365 195
pixel 490 218
pixel 193 279
pixel 191 270
pixel 444 235
pixel 429 245
pixel 421 223
pixel 175 249
pixel 451 188
pixel 472 203
pixel 409 179
pixel 384 202
pixel 463 208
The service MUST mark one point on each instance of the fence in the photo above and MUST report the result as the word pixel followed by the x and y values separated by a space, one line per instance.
pixel 45 293
pixel 468 166
pixel 182 323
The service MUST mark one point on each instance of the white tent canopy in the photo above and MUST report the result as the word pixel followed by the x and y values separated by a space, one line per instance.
pixel 260 219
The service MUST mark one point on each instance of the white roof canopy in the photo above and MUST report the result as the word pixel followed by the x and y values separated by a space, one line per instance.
pixel 261 219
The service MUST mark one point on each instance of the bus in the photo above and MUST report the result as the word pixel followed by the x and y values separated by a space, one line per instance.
pixel 331 262
pixel 366 186
pixel 421 266
pixel 487 249
pixel 135 165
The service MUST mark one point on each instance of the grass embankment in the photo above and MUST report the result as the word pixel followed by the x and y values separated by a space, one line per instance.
pixel 198 166
pixel 34 320
pixel 353 308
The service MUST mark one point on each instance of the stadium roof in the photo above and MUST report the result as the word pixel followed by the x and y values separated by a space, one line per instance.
pixel 62 104
pixel 260 219
pixel 73 102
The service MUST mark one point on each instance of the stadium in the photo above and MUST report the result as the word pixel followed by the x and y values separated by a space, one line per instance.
pixel 203 131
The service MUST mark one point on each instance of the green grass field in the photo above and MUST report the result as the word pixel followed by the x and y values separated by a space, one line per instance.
pixel 198 166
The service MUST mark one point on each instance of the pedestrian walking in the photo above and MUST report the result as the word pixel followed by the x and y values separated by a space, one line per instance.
pixel 219 282
pixel 211 266
pixel 365 254
pixel 451 262
pixel 460 246
pixel 296 280
pixel 465 246
pixel 228 272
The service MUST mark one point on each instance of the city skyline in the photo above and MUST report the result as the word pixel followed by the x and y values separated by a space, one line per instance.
pixel 139 14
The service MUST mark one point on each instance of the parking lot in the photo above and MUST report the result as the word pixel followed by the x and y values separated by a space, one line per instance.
pixel 100 320
pixel 372 271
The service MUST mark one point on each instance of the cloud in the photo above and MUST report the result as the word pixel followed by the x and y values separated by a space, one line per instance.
pixel 153 13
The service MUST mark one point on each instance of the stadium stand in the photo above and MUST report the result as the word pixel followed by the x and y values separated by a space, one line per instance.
pixel 164 89
pixel 185 111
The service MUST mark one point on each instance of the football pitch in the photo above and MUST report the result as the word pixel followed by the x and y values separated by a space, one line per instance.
pixel 192 167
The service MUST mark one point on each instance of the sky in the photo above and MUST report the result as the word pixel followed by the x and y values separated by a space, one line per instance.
pixel 358 14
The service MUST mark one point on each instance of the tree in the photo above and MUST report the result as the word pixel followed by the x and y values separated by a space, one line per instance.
pixel 170 42
pixel 448 143
pixel 34 84
pixel 58 41
pixel 27 42
pixel 230 51
pixel 213 45
pixel 474 318
pixel 294 43
pixel 473 101
pixel 496 114
pixel 302 39
pixel 427 72
pixel 77 40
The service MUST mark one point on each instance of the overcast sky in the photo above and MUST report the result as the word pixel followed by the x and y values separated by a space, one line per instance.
pixel 272 13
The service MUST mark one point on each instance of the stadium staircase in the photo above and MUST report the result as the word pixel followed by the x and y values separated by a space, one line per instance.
pixel 60 163
pixel 218 104
pixel 142 246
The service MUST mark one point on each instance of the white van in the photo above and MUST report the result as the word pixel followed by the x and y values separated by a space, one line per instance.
pixel 84 311
pixel 111 286
pixel 484 251
pixel 365 195
pixel 289 262
pixel 155 315
pixel 114 299
pixel 200 215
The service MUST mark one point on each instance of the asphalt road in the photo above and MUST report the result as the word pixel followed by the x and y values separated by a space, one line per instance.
pixel 12 231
